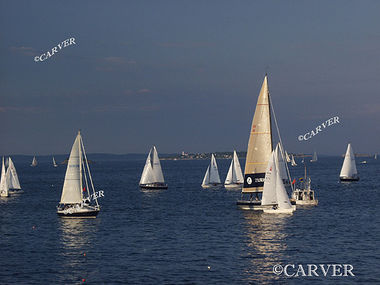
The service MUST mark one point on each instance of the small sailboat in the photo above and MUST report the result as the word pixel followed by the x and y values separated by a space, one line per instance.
pixel 78 187
pixel 363 162
pixel 375 157
pixel 34 162
pixel 13 182
pixel 274 193
pixel 348 171
pixel 304 195
pixel 293 162
pixel 315 158
pixel 211 178
pixel 152 176
pixel 287 157
pixel 54 163
pixel 4 187
pixel 234 177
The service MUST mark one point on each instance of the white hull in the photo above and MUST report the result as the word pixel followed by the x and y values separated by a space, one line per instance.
pixel 214 185
pixel 2 194
pixel 280 211
pixel 307 202
pixel 233 186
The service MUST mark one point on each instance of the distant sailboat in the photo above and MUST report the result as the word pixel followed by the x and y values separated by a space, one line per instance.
pixel 13 182
pixel 54 163
pixel 234 177
pixel 348 171
pixel 4 187
pixel 211 178
pixel 76 201
pixel 293 162
pixel 315 158
pixel 287 157
pixel 34 162
pixel 274 193
pixel 152 176
pixel 375 157
pixel 259 151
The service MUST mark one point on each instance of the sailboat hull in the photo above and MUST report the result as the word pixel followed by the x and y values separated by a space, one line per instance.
pixel 233 186
pixel 153 186
pixel 280 211
pixel 252 205
pixel 78 212
pixel 213 185
pixel 348 179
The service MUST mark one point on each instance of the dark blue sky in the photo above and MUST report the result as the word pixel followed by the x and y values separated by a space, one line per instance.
pixel 185 75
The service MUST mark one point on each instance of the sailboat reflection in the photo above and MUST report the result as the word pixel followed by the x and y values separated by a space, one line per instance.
pixel 266 245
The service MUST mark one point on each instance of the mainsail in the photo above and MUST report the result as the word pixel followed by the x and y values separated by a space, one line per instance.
pixel 54 163
pixel 234 174
pixel 349 165
pixel 259 144
pixel 13 181
pixel 34 161
pixel 72 187
pixel 293 162
pixel 315 157
pixel 157 170
pixel 4 188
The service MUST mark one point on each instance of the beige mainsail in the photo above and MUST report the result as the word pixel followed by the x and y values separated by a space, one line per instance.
pixel 259 144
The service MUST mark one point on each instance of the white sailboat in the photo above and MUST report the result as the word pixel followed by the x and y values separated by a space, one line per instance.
pixel 259 151
pixel 304 195
pixel 348 171
pixel 211 178
pixel 78 187
pixel 287 157
pixel 274 193
pixel 315 158
pixel 13 182
pixel 234 177
pixel 293 162
pixel 4 187
pixel 375 157
pixel 54 163
pixel 152 176
pixel 34 162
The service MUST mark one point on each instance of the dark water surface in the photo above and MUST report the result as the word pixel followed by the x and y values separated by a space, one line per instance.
pixel 185 234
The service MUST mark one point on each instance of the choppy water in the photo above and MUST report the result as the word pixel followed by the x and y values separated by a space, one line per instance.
pixel 185 234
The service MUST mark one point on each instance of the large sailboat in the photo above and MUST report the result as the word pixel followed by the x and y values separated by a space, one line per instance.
pixel 4 187
pixel 234 177
pixel 152 176
pixel 274 192
pixel 34 162
pixel 315 157
pixel 78 199
pixel 13 182
pixel 259 150
pixel 211 178
pixel 348 171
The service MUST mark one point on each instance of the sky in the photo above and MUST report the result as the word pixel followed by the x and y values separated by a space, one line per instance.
pixel 185 75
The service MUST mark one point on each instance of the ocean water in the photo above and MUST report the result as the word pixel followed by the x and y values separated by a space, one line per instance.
pixel 185 234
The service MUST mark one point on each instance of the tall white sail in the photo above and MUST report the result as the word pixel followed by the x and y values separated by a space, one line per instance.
pixel 293 162
pixel 287 156
pixel 54 163
pixel 282 197
pixel 13 181
pixel 315 157
pixel 4 188
pixel 234 174
pixel 214 174
pixel 206 178
pixel 147 174
pixel 349 165
pixel 72 187
pixel 281 164
pixel 157 170
pixel 269 191
pixel 34 162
